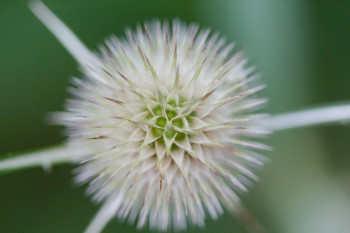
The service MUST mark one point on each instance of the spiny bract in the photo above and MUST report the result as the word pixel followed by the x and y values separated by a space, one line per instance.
pixel 166 113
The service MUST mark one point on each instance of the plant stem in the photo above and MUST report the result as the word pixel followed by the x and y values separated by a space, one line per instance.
pixel 43 158
pixel 310 117
pixel 104 215
pixel 67 38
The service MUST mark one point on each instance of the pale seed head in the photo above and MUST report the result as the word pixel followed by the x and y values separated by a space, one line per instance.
pixel 166 113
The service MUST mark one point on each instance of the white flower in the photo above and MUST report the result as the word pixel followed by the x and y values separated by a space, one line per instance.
pixel 160 124
pixel 166 113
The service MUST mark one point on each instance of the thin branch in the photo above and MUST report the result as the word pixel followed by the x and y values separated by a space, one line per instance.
pixel 43 158
pixel 67 38
pixel 104 215
pixel 248 220
pixel 317 116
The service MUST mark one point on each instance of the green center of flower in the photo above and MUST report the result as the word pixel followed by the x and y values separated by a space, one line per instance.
pixel 168 125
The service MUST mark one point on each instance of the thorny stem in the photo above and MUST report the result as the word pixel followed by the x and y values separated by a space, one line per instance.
pixel 44 158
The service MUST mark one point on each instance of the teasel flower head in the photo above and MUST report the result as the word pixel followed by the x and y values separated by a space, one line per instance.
pixel 162 126
pixel 165 115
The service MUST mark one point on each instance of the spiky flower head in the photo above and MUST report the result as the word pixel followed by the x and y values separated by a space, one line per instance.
pixel 166 114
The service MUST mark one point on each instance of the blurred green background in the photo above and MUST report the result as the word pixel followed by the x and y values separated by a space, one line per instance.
pixel 302 48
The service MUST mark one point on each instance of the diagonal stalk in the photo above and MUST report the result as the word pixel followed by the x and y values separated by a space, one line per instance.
pixel 64 35
pixel 104 215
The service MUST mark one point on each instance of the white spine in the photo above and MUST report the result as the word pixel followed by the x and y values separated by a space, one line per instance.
pixel 67 38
